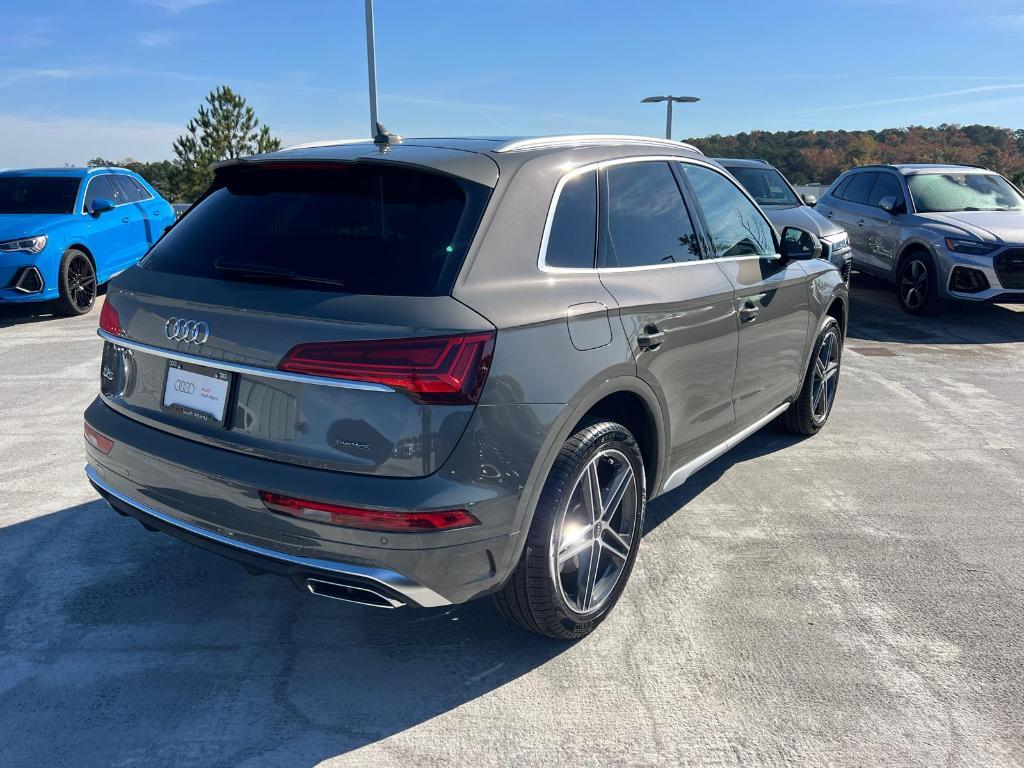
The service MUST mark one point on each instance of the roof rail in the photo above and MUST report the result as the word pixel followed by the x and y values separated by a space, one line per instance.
pixel 328 143
pixel 590 140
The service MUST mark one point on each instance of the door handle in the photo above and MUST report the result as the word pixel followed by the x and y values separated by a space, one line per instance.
pixel 748 314
pixel 860 222
pixel 651 337
pixel 124 220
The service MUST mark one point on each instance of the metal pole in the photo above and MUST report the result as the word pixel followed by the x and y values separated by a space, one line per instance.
pixel 668 121
pixel 371 68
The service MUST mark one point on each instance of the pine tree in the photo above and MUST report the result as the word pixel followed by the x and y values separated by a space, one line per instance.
pixel 225 127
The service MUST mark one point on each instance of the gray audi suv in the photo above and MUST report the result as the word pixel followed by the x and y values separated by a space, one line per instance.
pixel 415 373
pixel 936 231
pixel 785 208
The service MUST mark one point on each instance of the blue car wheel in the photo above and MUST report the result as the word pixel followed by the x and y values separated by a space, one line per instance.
pixel 77 282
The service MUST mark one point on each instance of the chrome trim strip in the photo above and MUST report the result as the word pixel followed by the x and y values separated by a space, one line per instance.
pixel 549 221
pixel 248 370
pixel 681 475
pixel 591 140
pixel 406 587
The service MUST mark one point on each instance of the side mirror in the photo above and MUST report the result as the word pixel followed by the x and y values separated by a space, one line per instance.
pixel 810 200
pixel 800 244
pixel 889 205
pixel 101 204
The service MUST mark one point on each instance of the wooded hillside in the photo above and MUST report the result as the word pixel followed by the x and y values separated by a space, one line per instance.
pixel 807 157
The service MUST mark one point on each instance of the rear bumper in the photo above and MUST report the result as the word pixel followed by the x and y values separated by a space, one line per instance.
pixel 208 496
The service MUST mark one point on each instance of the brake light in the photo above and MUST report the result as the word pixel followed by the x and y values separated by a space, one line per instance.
pixel 436 369
pixel 97 440
pixel 110 321
pixel 368 519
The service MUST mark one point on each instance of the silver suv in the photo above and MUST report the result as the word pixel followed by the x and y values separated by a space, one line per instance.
pixel 424 372
pixel 936 231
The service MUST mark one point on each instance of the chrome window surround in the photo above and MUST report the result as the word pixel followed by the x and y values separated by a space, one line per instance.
pixel 403 585
pixel 248 370
pixel 591 140
pixel 549 221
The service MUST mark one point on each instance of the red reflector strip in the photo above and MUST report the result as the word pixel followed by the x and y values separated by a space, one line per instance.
pixel 436 369
pixel 110 321
pixel 99 441
pixel 368 519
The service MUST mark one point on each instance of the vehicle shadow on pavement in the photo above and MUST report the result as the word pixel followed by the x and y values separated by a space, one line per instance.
pixel 41 312
pixel 124 647
pixel 768 440
pixel 875 315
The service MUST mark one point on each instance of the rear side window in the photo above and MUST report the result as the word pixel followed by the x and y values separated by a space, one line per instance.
pixel 886 185
pixel 859 188
pixel 99 188
pixel 736 226
pixel 840 190
pixel 573 236
pixel 353 228
pixel 646 221
pixel 126 193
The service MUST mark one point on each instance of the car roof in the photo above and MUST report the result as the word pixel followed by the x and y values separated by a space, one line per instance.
pixel 743 162
pixel 73 172
pixel 909 169
pixel 478 159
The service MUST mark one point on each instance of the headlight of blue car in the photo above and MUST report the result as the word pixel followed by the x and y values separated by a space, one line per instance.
pixel 27 244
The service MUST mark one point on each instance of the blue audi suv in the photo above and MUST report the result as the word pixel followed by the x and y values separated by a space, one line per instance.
pixel 65 231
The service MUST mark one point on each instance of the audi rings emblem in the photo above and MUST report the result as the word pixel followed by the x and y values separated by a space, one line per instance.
pixel 185 387
pixel 188 331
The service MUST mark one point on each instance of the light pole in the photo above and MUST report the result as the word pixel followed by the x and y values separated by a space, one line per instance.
pixel 668 100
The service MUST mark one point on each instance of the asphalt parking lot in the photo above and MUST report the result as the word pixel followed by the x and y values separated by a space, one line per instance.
pixel 852 599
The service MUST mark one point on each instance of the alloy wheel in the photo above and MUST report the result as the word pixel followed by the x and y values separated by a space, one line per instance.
pixel 914 284
pixel 81 282
pixel 592 540
pixel 825 377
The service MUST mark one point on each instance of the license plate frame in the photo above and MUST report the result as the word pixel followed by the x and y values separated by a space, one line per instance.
pixel 221 385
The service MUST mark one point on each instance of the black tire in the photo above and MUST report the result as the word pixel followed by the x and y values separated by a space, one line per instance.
pixel 77 284
pixel 532 597
pixel 805 415
pixel 917 285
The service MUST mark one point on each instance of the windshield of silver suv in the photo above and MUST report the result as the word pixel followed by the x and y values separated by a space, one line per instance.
pixel 949 192
pixel 765 185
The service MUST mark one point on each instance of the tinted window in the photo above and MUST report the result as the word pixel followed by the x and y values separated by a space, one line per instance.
pixel 127 191
pixel 841 189
pixel 937 192
pixel 141 191
pixel 37 194
pixel 354 228
pixel 573 235
pixel 736 226
pixel 765 185
pixel 860 187
pixel 886 185
pixel 646 222
pixel 99 188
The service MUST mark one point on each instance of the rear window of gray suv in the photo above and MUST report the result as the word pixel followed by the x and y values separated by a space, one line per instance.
pixel 351 228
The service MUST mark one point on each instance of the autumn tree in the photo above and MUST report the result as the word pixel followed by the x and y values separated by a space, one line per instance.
pixel 225 127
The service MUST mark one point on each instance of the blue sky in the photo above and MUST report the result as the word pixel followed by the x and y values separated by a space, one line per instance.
pixel 121 77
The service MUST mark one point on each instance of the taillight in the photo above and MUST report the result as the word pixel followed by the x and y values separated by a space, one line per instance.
pixel 98 440
pixel 368 519
pixel 109 320
pixel 436 369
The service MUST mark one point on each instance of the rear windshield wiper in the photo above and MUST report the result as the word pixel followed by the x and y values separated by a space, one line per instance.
pixel 264 271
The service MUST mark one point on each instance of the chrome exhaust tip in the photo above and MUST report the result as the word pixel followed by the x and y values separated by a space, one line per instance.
pixel 350 593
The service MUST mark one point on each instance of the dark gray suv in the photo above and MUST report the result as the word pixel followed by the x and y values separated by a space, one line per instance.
pixel 418 373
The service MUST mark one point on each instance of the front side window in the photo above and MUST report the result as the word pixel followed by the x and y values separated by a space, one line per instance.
pixel 646 221
pixel 765 185
pixel 38 194
pixel 886 185
pixel 573 236
pixel 947 192
pixel 736 226
pixel 100 188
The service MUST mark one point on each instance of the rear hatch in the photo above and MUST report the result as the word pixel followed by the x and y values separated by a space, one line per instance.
pixel 302 313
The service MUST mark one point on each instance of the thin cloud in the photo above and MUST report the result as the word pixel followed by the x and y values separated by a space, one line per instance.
pixel 913 99
pixel 178 6
pixel 33 34
pixel 155 39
